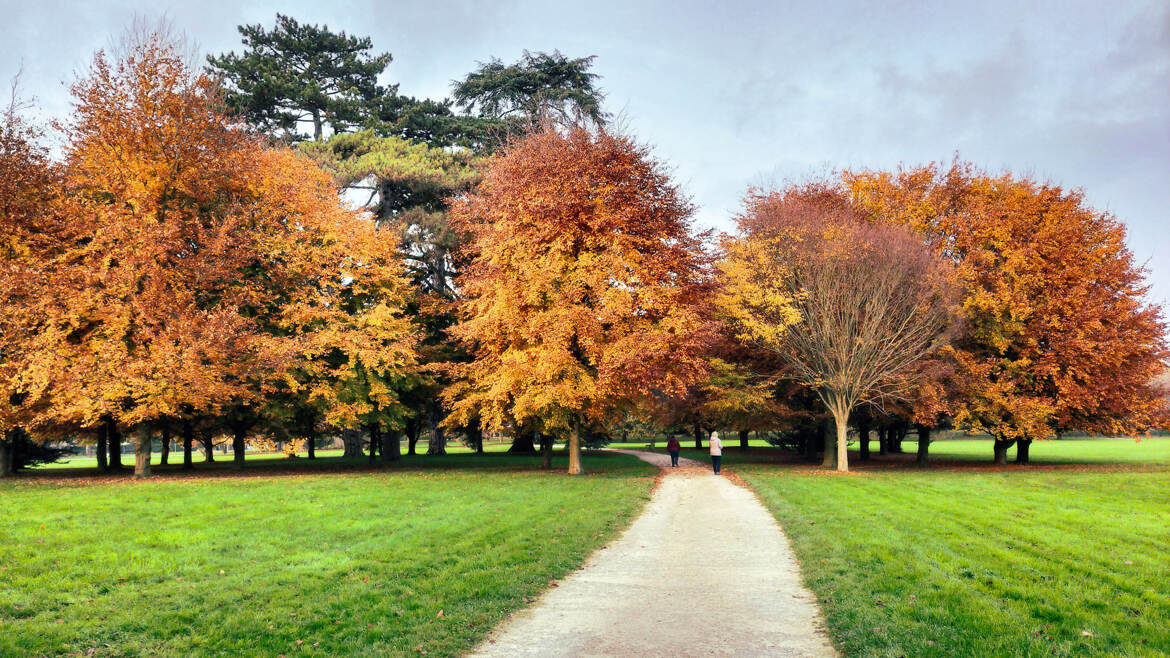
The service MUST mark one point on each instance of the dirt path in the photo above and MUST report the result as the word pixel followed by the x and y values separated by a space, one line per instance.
pixel 704 571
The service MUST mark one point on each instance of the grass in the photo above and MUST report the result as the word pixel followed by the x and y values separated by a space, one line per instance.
pixel 426 557
pixel 1066 557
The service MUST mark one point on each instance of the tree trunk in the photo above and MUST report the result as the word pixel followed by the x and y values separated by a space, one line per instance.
pixel 412 433
pixel 546 448
pixel 1001 448
pixel 863 437
pixel 351 439
pixel 743 440
pixel 476 433
pixel 883 440
pixel 102 450
pixel 375 440
pixel 7 442
pixel 166 446
pixel 1022 450
pixel 238 446
pixel 828 430
pixel 437 443
pixel 575 449
pixel 698 437
pixel 391 446
pixel 114 443
pixel 208 441
pixel 923 445
pixel 523 443
pixel 894 436
pixel 842 418
pixel 311 444
pixel 142 452
pixel 188 444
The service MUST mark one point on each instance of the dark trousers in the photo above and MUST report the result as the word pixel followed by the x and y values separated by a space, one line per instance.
pixel 673 457
pixel 715 461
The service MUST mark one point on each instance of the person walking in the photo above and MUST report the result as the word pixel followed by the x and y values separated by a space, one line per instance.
pixel 672 447
pixel 716 451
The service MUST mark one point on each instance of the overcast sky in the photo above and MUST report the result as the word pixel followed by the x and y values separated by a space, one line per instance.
pixel 739 93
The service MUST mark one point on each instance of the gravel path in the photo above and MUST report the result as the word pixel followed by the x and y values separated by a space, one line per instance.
pixel 704 571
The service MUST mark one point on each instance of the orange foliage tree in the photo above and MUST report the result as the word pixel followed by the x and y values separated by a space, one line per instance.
pixel 29 232
pixel 584 292
pixel 851 306
pixel 205 271
pixel 1060 337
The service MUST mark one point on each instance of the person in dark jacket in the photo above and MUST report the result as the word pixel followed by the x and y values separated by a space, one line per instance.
pixel 672 447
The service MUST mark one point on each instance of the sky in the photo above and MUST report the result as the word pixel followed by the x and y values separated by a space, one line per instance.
pixel 735 94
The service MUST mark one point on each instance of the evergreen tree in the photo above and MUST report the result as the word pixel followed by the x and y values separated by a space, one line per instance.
pixel 297 73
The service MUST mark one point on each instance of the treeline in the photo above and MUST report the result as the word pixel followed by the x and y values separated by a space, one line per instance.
pixel 190 267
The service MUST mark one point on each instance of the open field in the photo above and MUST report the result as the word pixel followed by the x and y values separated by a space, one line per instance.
pixel 428 555
pixel 1065 557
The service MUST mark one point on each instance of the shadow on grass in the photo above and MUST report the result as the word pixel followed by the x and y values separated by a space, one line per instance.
pixel 965 461
pixel 596 463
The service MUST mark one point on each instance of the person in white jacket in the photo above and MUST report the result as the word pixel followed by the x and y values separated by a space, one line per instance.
pixel 716 451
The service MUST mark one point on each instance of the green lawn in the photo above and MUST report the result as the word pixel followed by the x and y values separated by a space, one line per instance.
pixel 1049 560
pixel 429 555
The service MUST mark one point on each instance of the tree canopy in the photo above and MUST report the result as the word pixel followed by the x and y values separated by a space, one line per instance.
pixel 298 73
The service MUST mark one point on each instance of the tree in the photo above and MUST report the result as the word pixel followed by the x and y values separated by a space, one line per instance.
pixel 408 185
pixel 1060 336
pixel 295 73
pixel 29 233
pixel 207 272
pixel 584 291
pixel 849 305
pixel 539 88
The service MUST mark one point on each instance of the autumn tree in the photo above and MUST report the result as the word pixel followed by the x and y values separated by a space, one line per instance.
pixel 406 186
pixel 30 230
pixel 298 73
pixel 210 272
pixel 849 305
pixel 1060 335
pixel 584 289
